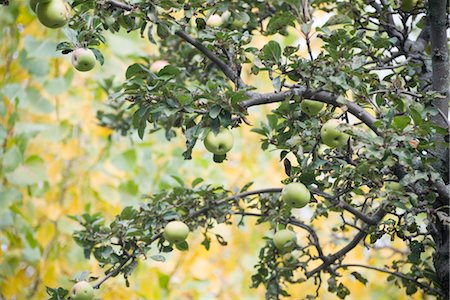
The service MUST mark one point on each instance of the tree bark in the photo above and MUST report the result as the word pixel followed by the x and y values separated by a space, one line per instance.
pixel 440 77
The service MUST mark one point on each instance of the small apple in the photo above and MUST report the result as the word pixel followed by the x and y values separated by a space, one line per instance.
pixel 52 14
pixel 176 232
pixel 219 143
pixel 214 21
pixel 408 5
pixel 332 136
pixel 310 107
pixel 285 240
pixel 82 290
pixel 296 195
pixel 83 59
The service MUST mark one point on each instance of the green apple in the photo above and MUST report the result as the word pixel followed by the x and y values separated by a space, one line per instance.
pixel 82 290
pixel 176 232
pixel 285 240
pixel 83 59
pixel 296 195
pixel 214 21
pixel 52 14
pixel 408 5
pixel 332 136
pixel 219 143
pixel 310 107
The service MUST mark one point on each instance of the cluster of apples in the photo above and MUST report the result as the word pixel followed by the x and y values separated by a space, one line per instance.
pixel 295 195
pixel 330 134
pixel 55 14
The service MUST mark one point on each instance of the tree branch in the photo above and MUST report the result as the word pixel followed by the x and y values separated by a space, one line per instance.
pixel 379 214
pixel 321 96
pixel 120 5
pixel 398 274
pixel 339 203
pixel 193 215
pixel 227 70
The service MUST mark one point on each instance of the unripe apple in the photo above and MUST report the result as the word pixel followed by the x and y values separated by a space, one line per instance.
pixel 408 5
pixel 83 59
pixel 52 14
pixel 310 107
pixel 285 240
pixel 176 232
pixel 214 21
pixel 332 136
pixel 296 195
pixel 82 291
pixel 219 143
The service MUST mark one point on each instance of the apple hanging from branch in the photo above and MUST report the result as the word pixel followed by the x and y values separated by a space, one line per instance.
pixel 176 232
pixel 82 290
pixel 311 107
pixel 83 59
pixel 52 14
pixel 332 135
pixel 285 240
pixel 296 195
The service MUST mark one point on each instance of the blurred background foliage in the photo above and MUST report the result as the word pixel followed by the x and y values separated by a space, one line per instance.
pixel 56 161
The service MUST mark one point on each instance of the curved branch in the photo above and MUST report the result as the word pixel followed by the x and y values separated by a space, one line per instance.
pixel 398 274
pixel 352 244
pixel 227 70
pixel 193 215
pixel 321 96
pixel 293 221
pixel 121 5
pixel 339 203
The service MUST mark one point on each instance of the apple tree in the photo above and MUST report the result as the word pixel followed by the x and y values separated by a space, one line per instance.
pixel 361 127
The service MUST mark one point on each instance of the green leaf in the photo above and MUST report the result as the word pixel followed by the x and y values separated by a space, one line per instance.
pixel 33 171
pixel 400 122
pixel 12 159
pixel 158 258
pixel 272 51
pixel 215 111
pixel 359 277
pixel 183 246
pixel 197 181
pixel 416 249
pixel 169 71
